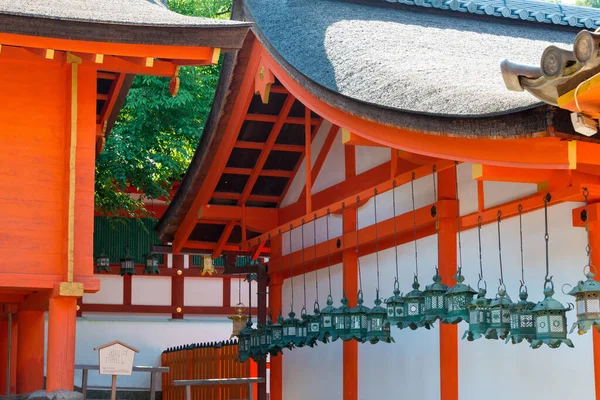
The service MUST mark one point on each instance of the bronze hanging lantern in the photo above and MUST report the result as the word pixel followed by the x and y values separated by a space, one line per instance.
pixel 414 301
pixel 244 342
pixel 500 306
pixel 435 305
pixel 290 331
pixel 521 318
pixel 314 322
pixel 102 263
pixel 358 320
pixel 341 319
pixel 458 298
pixel 265 345
pixel 256 343
pixel 277 343
pixel 549 314
pixel 302 330
pixel 127 263
pixel 587 293
pixel 479 308
pixel 378 327
pixel 395 303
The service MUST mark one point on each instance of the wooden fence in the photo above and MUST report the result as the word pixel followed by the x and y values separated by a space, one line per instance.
pixel 206 361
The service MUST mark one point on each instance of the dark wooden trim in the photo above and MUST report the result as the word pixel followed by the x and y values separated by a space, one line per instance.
pixel 226 292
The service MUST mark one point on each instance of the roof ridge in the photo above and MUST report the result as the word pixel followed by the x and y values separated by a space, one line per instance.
pixel 525 10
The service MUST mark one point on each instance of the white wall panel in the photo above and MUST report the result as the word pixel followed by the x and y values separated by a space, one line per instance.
pixel 203 292
pixel 239 283
pixel 496 193
pixel 333 170
pixel 150 335
pixel 151 290
pixel 467 189
pixel 111 291
pixel 299 180
pixel 368 157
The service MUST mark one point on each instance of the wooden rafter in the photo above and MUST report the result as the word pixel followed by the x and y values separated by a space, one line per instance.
pixel 252 197
pixel 273 119
pixel 316 169
pixel 264 172
pixel 223 239
pixel 260 145
pixel 287 106
pixel 307 157
pixel 112 99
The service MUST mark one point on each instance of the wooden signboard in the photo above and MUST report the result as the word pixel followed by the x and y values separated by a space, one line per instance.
pixel 115 358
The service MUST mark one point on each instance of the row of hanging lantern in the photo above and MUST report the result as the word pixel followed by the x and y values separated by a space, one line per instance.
pixel 494 319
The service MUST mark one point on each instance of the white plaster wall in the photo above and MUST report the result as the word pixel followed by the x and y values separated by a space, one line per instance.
pixel 239 283
pixel 299 180
pixel 313 373
pixel 151 290
pixel 368 157
pixel 467 189
pixel 333 170
pixel 111 291
pixel 496 193
pixel 151 335
pixel 203 292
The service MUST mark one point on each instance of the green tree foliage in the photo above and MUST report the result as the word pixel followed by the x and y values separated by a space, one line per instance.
pixel 155 135
pixel 588 3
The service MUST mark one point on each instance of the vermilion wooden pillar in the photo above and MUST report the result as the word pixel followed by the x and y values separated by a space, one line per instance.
pixel 30 351
pixel 61 343
pixel 177 287
pixel 275 283
pixel 447 261
pixel 4 355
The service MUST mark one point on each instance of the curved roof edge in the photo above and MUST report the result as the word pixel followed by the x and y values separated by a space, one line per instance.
pixel 525 10
pixel 522 123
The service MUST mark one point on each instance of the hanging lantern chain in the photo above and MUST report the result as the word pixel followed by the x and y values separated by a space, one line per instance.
pixel 291 272
pixel 458 216
pixel 376 238
pixel 546 236
pixel 395 229
pixel 412 188
pixel 588 247
pixel 479 241
pixel 500 249
pixel 303 265
pixel 343 247
pixel 315 258
pixel 521 242
pixel 435 199
pixel 357 257
pixel 328 254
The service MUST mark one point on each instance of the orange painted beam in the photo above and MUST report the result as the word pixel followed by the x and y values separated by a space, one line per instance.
pixel 350 286
pixel 252 197
pixel 308 160
pixel 223 240
pixel 256 218
pixel 275 286
pixel 241 144
pixel 240 108
pixel 536 152
pixel 594 227
pixel 264 172
pixel 61 343
pixel 364 195
pixel 447 261
pixel 509 174
pixel 30 351
pixel 44 281
pixel 209 246
pixel 417 159
pixel 529 203
pixel 322 156
pixel 351 139
pixel 113 93
pixel 114 49
pixel 262 159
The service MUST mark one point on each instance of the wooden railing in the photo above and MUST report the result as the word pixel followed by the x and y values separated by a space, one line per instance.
pixel 214 360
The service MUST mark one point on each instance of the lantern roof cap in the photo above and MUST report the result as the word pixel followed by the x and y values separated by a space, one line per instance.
pixel 589 285
pixel 550 304
pixel 437 285
pixel 359 309
pixel 501 299
pixel 460 288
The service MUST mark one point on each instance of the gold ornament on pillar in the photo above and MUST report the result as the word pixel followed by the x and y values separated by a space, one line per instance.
pixel 208 266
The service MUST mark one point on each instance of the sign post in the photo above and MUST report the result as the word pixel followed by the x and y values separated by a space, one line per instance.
pixel 115 358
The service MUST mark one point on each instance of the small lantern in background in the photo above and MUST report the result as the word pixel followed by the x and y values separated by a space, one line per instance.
pixel 458 299
pixel 265 345
pixel 239 319
pixel 127 263
pixel 102 262
pixel 414 304
pixel 550 320
pixel 151 264
pixel 587 299
pixel 327 330
pixel 500 316
pixel 358 320
pixel 258 341
pixel 479 316
pixel 435 304
pixel 302 330
pixel 395 306
pixel 378 328
pixel 521 319
pixel 341 320
pixel 207 266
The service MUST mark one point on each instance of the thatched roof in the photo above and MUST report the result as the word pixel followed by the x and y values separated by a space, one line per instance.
pixel 124 21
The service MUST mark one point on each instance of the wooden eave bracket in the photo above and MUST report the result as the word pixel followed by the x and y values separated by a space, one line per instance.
pixel 262 81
